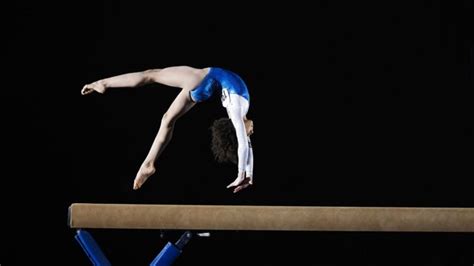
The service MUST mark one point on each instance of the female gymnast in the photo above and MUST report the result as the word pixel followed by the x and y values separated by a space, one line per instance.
pixel 230 136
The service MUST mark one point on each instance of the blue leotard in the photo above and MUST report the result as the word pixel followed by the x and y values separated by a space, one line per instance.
pixel 216 80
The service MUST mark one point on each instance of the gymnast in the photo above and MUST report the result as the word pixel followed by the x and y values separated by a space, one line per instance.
pixel 230 136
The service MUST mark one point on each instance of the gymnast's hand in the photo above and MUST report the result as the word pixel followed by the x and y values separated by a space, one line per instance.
pixel 241 183
pixel 96 86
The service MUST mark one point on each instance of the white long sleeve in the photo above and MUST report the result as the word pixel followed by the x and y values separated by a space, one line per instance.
pixel 249 165
pixel 243 144
pixel 237 108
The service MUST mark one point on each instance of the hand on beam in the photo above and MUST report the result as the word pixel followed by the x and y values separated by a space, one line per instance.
pixel 240 183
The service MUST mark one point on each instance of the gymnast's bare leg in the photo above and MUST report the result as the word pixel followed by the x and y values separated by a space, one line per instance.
pixel 182 77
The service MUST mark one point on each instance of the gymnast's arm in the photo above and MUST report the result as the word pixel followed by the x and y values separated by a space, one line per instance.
pixel 249 165
pixel 243 145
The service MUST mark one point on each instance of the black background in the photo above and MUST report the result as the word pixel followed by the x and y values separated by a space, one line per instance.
pixel 353 104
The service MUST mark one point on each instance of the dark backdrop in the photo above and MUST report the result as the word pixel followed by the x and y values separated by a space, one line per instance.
pixel 353 104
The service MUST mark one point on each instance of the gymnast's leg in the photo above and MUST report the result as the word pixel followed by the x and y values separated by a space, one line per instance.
pixel 184 77
pixel 179 107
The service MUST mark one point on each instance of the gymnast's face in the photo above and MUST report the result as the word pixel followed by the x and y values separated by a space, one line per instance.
pixel 249 127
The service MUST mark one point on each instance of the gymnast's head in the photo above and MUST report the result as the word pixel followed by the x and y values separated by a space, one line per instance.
pixel 224 140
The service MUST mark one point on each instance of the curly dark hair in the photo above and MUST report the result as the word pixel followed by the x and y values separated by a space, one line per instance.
pixel 224 141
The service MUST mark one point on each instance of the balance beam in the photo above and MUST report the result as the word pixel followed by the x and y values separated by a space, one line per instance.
pixel 271 218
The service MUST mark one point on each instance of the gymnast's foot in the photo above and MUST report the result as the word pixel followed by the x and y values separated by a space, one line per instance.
pixel 146 170
pixel 96 86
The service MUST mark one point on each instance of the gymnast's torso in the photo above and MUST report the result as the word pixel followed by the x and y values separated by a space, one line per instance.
pixel 219 80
